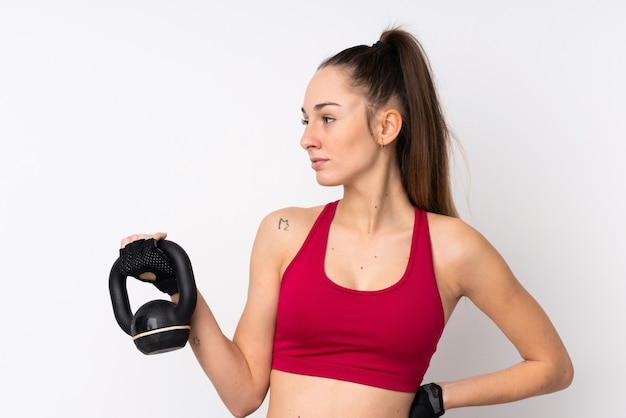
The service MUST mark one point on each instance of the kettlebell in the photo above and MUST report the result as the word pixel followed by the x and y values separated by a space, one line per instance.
pixel 158 326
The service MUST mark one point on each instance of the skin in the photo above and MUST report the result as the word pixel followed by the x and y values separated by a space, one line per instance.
pixel 368 248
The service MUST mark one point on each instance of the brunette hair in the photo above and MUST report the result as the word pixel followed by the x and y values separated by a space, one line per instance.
pixel 396 70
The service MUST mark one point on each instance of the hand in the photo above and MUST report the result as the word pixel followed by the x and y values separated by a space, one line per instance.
pixel 428 402
pixel 141 258
pixel 135 237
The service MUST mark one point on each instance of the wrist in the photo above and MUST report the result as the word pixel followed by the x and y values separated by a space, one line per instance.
pixel 447 395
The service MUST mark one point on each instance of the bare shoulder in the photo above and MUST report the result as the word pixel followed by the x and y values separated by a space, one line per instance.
pixel 292 219
pixel 453 238
pixel 463 257
pixel 282 232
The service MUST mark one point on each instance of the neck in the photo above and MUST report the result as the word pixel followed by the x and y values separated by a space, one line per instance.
pixel 373 210
pixel 376 201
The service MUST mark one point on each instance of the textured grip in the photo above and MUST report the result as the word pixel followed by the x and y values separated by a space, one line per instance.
pixel 144 256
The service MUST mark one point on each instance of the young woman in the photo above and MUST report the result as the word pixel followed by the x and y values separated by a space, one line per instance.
pixel 346 306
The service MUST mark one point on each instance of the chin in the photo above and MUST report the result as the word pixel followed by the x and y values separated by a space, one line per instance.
pixel 327 182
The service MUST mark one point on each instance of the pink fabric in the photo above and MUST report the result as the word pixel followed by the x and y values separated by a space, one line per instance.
pixel 383 338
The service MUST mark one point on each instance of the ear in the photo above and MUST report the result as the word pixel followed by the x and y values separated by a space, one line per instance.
pixel 390 126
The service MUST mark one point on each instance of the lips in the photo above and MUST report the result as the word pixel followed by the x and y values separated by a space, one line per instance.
pixel 317 163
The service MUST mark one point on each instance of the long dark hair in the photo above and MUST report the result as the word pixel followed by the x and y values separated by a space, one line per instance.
pixel 396 69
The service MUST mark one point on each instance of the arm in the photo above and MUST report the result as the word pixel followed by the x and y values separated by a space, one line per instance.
pixel 240 368
pixel 468 265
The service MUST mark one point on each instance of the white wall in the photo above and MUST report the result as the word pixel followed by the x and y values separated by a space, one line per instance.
pixel 136 116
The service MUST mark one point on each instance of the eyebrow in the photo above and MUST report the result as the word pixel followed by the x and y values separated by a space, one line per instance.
pixel 320 106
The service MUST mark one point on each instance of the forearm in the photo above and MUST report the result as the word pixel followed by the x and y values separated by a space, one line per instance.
pixel 224 363
pixel 523 380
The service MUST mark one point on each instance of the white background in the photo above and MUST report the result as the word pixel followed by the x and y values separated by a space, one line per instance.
pixel 139 116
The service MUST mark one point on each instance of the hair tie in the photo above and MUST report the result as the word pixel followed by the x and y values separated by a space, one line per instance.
pixel 383 45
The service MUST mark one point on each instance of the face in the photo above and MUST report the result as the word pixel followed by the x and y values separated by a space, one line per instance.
pixel 337 136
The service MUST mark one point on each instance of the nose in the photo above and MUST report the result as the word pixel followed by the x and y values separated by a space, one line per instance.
pixel 309 138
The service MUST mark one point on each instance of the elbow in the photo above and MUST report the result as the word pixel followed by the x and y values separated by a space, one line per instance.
pixel 562 375
pixel 566 375
pixel 244 409
pixel 551 375
pixel 239 413
pixel 245 398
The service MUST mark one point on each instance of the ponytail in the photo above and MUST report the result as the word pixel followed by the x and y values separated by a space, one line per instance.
pixel 396 68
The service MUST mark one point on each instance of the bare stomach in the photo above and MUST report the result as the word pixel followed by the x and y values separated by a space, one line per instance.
pixel 298 396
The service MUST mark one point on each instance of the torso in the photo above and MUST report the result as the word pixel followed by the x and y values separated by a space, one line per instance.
pixel 293 395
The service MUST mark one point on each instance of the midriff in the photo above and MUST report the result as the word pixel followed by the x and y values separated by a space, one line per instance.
pixel 301 396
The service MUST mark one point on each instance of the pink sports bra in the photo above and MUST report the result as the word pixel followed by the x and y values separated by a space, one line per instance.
pixel 383 338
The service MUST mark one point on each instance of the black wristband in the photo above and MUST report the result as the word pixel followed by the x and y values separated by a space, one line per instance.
pixel 143 256
pixel 428 402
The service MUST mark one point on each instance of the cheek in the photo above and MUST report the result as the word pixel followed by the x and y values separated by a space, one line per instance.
pixel 359 158
pixel 363 146
pixel 358 140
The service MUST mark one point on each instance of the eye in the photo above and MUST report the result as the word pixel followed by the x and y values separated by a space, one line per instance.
pixel 328 119
pixel 304 122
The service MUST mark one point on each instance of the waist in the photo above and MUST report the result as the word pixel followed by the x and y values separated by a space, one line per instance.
pixel 300 395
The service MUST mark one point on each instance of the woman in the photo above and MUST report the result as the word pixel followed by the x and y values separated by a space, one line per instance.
pixel 348 300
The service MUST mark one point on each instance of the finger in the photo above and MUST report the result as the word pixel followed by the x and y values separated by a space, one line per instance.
pixel 159 236
pixel 135 237
pixel 147 276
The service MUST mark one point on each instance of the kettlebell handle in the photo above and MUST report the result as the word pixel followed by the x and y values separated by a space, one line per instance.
pixel 186 287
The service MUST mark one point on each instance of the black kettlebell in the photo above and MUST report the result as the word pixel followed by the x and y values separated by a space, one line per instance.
pixel 158 326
